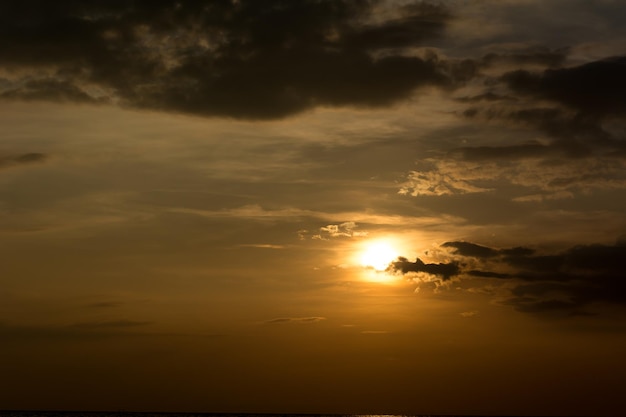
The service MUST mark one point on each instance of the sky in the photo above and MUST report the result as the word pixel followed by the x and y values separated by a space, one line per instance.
pixel 313 206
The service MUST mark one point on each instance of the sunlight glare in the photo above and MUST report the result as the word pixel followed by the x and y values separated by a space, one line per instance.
pixel 378 255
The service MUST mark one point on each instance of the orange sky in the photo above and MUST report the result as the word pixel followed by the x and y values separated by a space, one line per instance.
pixel 190 193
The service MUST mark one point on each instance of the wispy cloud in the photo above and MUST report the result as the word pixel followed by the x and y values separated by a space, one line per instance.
pixel 80 330
pixel 263 246
pixel 259 213
pixel 21 160
pixel 539 178
pixel 111 324
pixel 296 320
pixel 105 304
pixel 346 229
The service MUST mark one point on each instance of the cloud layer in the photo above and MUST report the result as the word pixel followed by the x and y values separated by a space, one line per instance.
pixel 229 58
pixel 566 281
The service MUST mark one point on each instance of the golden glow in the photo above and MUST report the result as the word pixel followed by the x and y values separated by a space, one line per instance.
pixel 378 255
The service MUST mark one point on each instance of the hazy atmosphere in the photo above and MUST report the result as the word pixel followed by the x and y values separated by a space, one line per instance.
pixel 314 206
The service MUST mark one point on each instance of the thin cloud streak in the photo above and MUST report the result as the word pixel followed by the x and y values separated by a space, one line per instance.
pixel 296 320
pixel 259 213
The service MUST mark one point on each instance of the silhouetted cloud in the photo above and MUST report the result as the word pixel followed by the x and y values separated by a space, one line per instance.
pixel 444 270
pixel 544 282
pixel 471 249
pixel 242 59
pixel 479 251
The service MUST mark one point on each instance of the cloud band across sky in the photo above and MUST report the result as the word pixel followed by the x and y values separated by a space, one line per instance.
pixel 566 281
pixel 240 59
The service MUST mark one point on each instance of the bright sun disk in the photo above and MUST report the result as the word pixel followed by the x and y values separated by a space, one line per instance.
pixel 378 255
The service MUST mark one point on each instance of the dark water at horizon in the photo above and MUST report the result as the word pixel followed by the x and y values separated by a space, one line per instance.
pixel 40 413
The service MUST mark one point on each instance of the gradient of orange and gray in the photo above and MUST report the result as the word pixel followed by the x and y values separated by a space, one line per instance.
pixel 188 189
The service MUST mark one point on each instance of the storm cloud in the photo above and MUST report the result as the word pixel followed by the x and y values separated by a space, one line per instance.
pixel 596 89
pixel 577 108
pixel 240 59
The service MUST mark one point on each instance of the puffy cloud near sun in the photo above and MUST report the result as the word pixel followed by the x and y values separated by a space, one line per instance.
pixel 346 229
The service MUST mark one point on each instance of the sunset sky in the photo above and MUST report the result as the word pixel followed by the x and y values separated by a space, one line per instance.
pixel 314 206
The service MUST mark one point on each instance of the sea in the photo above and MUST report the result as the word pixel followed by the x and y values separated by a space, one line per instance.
pixel 21 413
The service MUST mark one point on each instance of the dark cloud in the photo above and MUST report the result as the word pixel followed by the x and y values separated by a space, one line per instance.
pixel 567 281
pixel 471 249
pixel 28 158
pixel 417 21
pixel 488 96
pixel 570 135
pixel 443 270
pixel 558 123
pixel 24 159
pixel 572 106
pixel 596 88
pixel 242 59
pixel 487 274
pixel 478 251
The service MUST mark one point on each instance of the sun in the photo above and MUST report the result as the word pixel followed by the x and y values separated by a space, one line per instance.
pixel 378 255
